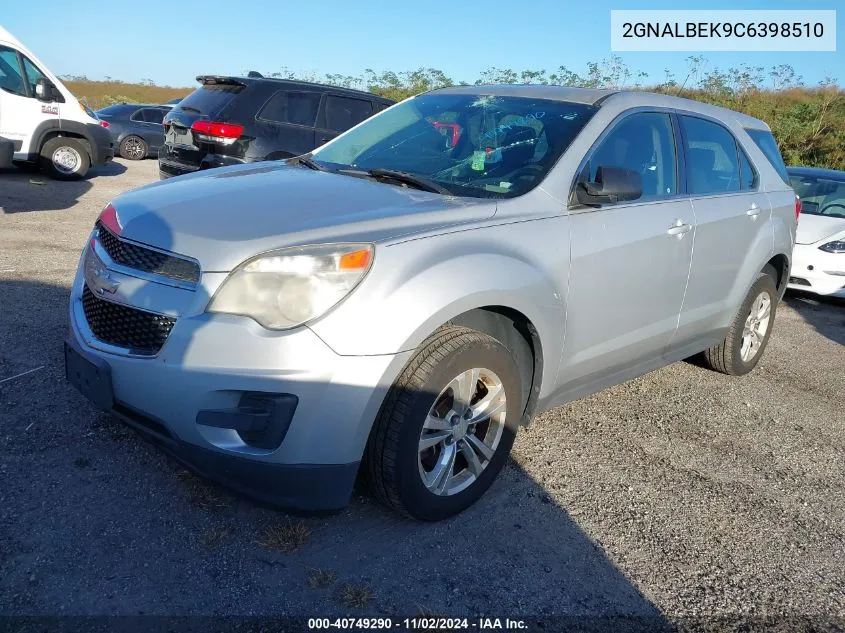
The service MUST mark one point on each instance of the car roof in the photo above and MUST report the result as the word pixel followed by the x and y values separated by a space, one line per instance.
pixel 601 96
pixel 294 83
pixel 833 174
pixel 135 106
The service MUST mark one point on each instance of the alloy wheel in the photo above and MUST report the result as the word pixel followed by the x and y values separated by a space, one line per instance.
pixel 462 431
pixel 134 148
pixel 756 326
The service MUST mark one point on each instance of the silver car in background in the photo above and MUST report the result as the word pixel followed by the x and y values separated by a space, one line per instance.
pixel 400 301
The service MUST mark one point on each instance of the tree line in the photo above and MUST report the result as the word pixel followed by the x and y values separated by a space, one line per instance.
pixel 808 121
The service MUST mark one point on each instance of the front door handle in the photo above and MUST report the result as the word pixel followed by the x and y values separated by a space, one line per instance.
pixel 679 228
pixel 753 211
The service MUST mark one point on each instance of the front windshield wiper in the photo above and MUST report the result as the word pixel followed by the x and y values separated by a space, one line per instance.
pixel 309 162
pixel 404 177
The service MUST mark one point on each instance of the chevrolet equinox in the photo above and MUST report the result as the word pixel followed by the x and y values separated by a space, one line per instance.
pixel 401 300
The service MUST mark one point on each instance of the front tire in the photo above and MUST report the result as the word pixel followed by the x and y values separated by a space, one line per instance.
pixel 65 158
pixel 446 426
pixel 749 333
pixel 133 148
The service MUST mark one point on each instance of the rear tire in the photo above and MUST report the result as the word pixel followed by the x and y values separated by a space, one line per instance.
pixel 437 480
pixel 749 333
pixel 133 148
pixel 65 158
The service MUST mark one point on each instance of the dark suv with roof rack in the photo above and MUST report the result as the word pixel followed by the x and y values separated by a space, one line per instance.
pixel 231 120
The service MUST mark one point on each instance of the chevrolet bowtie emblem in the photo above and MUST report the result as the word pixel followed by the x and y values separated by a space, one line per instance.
pixel 98 277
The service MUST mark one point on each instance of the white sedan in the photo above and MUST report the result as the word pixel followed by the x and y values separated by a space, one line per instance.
pixel 818 259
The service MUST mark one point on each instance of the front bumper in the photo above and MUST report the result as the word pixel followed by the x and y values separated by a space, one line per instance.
pixel 102 148
pixel 209 363
pixel 816 271
pixel 7 150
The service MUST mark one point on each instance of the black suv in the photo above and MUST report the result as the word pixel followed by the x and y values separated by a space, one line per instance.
pixel 231 120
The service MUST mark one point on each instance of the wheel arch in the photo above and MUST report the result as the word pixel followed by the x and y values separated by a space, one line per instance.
pixel 781 264
pixel 48 130
pixel 517 333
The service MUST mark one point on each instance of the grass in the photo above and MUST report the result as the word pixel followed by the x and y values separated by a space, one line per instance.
pixel 200 493
pixel 286 537
pixel 320 578
pixel 355 596
pixel 214 538
pixel 429 614
pixel 98 94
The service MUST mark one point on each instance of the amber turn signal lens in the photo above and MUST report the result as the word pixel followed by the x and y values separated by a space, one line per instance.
pixel 356 260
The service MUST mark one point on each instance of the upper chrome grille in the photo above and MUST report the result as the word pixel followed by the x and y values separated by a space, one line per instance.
pixel 146 259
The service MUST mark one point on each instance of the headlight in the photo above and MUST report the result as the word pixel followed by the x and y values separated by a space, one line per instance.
pixel 286 288
pixel 833 247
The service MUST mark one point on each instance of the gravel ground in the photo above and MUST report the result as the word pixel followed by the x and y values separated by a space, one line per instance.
pixel 682 496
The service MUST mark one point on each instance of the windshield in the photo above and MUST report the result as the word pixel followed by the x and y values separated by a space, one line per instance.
pixel 820 195
pixel 470 145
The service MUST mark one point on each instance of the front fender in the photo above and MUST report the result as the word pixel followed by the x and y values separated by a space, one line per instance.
pixel 417 286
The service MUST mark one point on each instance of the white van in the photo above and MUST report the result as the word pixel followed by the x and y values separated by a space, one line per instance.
pixel 41 121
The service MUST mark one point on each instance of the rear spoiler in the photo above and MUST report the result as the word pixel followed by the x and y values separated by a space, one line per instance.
pixel 211 80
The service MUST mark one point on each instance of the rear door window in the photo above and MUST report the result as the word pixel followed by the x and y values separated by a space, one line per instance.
pixel 299 108
pixel 343 113
pixel 767 144
pixel 711 153
pixel 11 76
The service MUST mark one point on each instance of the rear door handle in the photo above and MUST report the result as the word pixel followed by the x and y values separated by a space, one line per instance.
pixel 679 228
pixel 753 211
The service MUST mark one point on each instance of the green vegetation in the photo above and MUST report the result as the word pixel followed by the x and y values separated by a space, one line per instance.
pixel 808 121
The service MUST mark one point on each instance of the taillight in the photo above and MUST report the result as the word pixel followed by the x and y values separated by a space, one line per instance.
pixel 216 132
pixel 105 124
pixel 797 207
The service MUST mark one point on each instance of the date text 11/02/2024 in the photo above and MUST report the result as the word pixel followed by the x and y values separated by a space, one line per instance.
pixel 418 624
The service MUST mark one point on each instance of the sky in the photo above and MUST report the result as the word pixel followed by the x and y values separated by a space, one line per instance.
pixel 171 44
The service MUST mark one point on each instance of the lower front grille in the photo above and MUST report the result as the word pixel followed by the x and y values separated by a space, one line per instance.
pixel 799 281
pixel 139 331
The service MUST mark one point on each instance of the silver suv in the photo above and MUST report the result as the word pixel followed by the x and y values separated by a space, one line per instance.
pixel 400 301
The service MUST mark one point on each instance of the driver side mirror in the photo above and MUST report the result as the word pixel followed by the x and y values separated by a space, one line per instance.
pixel 44 90
pixel 612 184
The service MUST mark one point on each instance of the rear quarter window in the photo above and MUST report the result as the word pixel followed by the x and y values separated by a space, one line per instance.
pixel 767 144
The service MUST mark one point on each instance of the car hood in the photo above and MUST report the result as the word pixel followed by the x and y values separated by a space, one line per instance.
pixel 812 228
pixel 223 216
